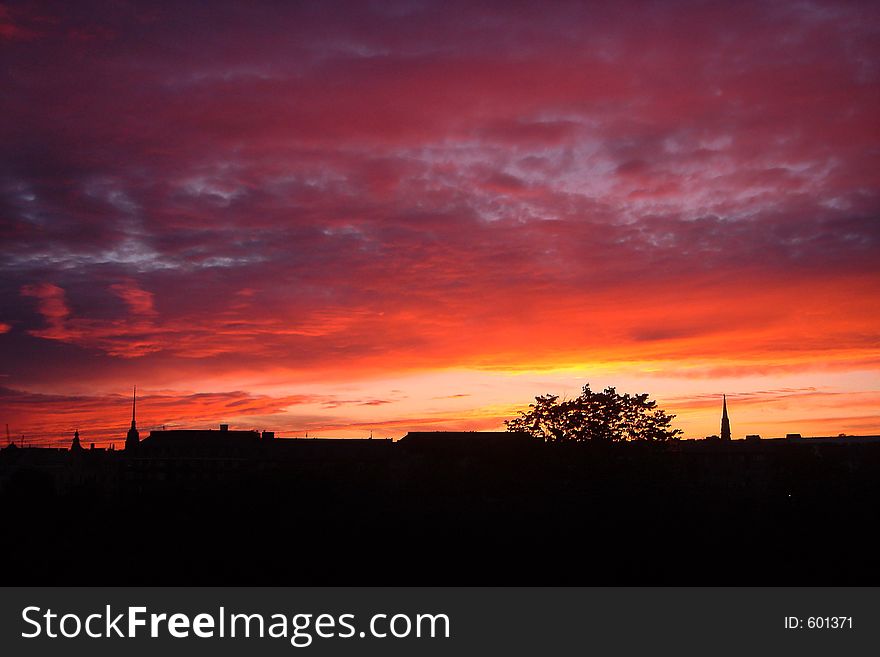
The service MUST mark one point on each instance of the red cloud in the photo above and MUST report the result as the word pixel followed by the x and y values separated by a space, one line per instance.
pixel 139 301
pixel 52 305
pixel 352 192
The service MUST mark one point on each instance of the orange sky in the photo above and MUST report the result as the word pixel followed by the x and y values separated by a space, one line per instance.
pixel 421 216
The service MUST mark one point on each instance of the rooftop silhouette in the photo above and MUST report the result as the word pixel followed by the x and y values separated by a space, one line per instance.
pixel 244 507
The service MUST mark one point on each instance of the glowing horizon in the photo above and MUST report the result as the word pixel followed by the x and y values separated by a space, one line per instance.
pixel 419 215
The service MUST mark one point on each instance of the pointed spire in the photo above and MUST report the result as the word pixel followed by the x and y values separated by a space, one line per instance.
pixel 133 406
pixel 133 437
pixel 725 421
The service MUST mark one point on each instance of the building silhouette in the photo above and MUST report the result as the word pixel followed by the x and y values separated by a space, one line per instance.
pixel 499 439
pixel 132 439
pixel 550 512
pixel 725 421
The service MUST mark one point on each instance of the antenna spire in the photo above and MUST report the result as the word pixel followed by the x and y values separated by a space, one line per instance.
pixel 133 437
pixel 133 405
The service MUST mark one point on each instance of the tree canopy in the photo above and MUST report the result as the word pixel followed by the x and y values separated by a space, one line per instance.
pixel 599 417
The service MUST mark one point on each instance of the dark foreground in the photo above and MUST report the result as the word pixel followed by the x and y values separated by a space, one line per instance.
pixel 736 514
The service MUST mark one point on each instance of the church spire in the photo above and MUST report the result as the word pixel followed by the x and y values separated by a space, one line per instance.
pixel 725 421
pixel 133 437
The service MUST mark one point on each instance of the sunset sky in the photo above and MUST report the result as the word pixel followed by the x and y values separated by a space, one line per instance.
pixel 344 217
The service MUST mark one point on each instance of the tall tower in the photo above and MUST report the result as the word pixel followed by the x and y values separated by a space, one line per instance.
pixel 725 421
pixel 133 437
pixel 75 446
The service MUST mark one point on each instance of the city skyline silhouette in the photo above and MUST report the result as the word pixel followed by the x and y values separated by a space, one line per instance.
pixel 192 506
pixel 404 216
pixel 277 278
pixel 105 440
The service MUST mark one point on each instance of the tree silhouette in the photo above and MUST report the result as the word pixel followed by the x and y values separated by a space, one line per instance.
pixel 600 417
